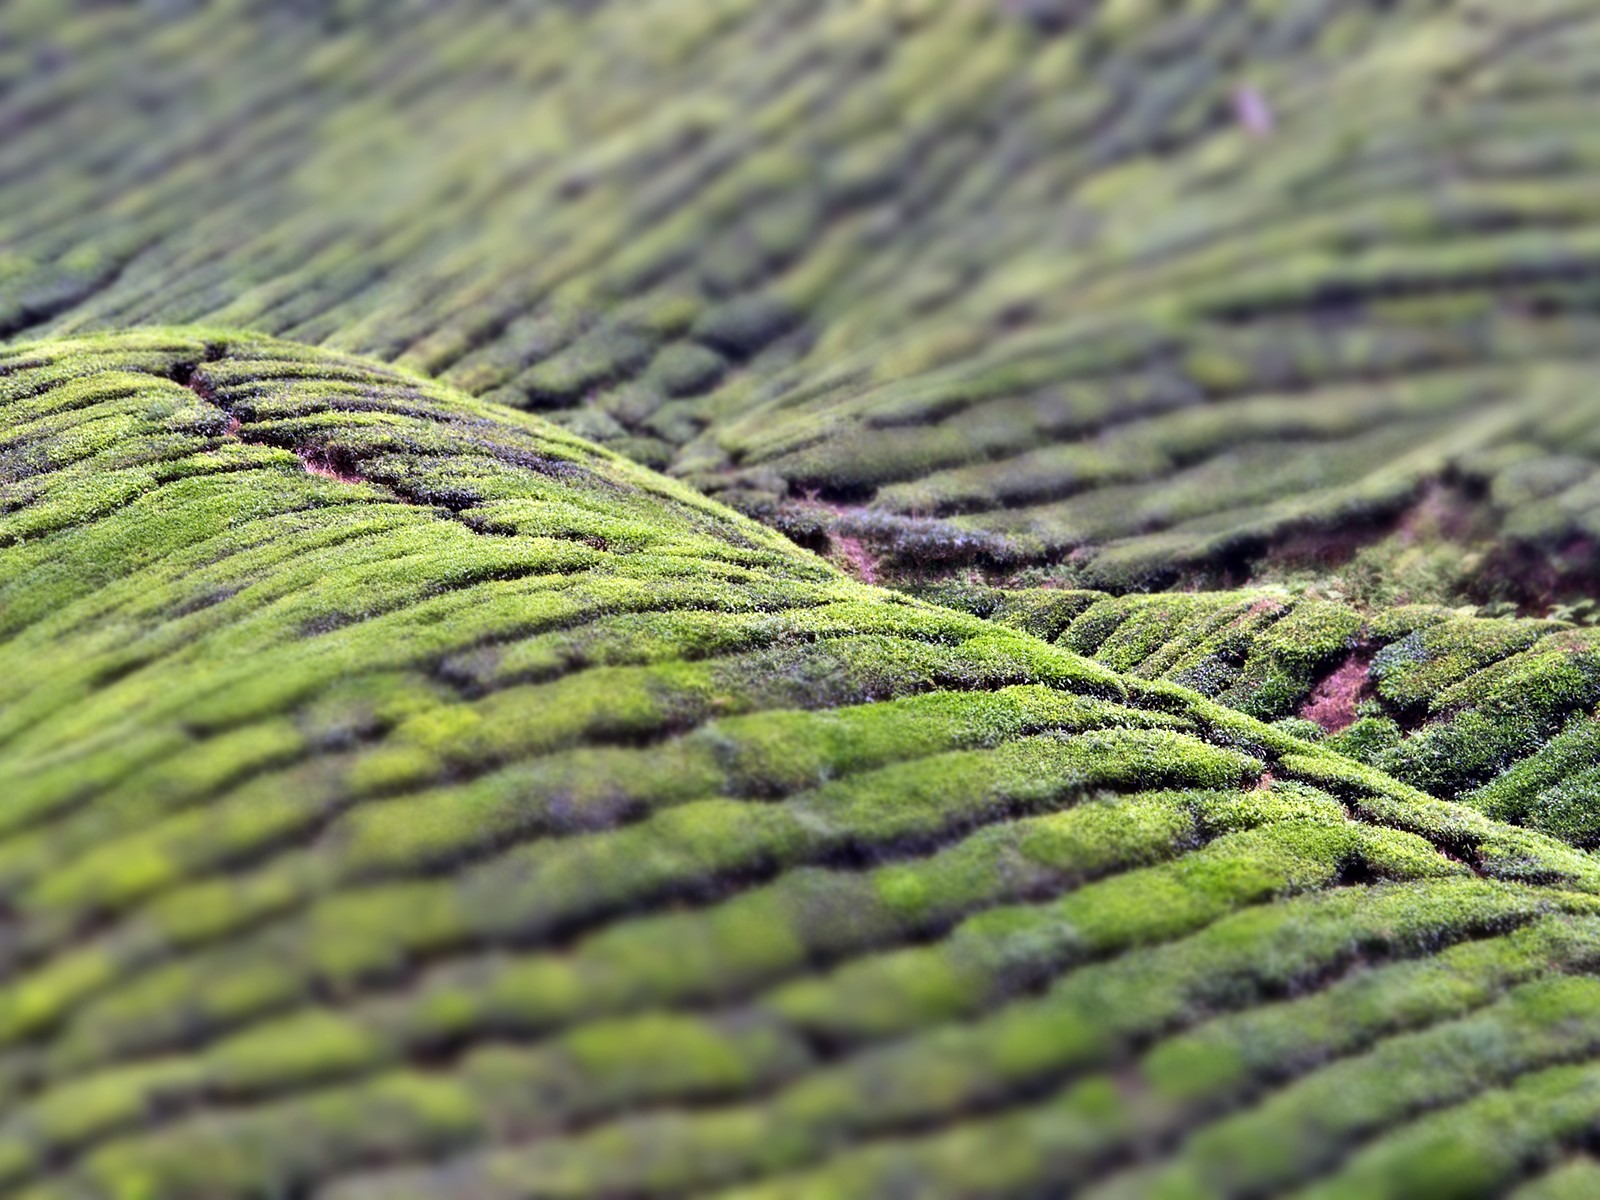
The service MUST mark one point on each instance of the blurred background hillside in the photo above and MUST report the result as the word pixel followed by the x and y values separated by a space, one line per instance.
pixel 1129 294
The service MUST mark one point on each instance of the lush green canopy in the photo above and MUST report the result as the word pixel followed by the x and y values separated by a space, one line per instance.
pixel 771 764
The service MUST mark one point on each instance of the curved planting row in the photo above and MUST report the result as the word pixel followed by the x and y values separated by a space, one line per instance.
pixel 1131 292
pixel 406 797
pixel 1498 712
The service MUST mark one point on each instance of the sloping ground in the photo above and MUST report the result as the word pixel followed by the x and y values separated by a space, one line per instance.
pixel 1133 291
pixel 404 797
pixel 1499 713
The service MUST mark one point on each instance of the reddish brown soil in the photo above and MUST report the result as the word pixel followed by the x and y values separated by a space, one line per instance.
pixel 1332 703
pixel 1439 511
pixel 315 464
pixel 860 563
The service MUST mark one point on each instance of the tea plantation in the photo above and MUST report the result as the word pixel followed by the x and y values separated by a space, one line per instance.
pixel 799 598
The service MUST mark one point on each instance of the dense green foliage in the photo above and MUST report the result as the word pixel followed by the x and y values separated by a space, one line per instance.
pixel 456 734
pixel 1000 284
pixel 1497 712
pixel 392 780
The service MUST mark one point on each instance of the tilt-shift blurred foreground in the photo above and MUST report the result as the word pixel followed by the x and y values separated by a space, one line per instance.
pixel 799 598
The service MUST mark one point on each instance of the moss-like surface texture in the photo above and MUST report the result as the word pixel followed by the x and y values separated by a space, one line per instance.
pixel 1502 713
pixel 457 736
pixel 404 797
pixel 1128 291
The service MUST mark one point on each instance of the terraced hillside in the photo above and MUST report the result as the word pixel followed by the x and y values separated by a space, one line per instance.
pixel 1500 713
pixel 1132 291
pixel 405 797
pixel 799 598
